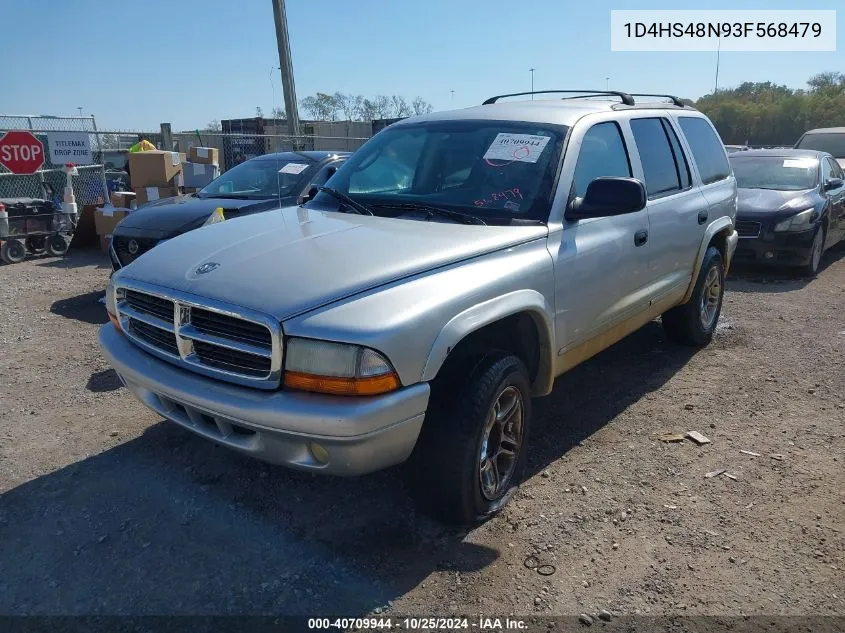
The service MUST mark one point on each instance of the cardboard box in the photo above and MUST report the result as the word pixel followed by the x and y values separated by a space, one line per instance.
pixel 154 168
pixel 199 174
pixel 106 219
pixel 204 155
pixel 147 194
pixel 124 199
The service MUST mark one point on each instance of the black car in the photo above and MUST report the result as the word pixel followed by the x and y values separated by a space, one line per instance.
pixel 260 184
pixel 790 206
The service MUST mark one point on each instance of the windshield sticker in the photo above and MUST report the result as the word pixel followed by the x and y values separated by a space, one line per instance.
pixel 522 148
pixel 293 168
pixel 800 163
pixel 498 196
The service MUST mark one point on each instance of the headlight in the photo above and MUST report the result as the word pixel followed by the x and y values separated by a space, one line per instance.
pixel 800 222
pixel 215 217
pixel 337 368
pixel 111 305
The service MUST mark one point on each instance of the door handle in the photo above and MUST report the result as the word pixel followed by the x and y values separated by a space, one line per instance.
pixel 640 237
pixel 702 217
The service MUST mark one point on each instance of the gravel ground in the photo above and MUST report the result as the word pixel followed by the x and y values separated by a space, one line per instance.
pixel 107 509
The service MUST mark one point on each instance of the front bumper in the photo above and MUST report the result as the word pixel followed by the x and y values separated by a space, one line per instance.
pixel 359 435
pixel 775 248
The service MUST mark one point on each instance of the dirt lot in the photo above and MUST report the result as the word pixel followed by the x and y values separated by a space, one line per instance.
pixel 107 509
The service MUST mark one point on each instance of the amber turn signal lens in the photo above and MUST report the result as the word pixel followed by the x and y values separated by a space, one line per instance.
pixel 115 322
pixel 367 386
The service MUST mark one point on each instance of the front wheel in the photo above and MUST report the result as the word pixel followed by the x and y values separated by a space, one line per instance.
pixel 470 457
pixel 12 251
pixel 694 322
pixel 816 249
pixel 57 245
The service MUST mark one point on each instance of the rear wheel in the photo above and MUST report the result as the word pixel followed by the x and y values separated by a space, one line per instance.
pixel 57 245
pixel 694 322
pixel 12 251
pixel 470 457
pixel 816 249
pixel 36 244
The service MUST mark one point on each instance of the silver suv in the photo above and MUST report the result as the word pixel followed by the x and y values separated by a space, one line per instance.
pixel 445 275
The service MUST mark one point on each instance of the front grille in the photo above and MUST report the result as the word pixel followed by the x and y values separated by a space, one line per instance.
pixel 225 326
pixel 158 338
pixel 220 344
pixel 150 304
pixel 748 229
pixel 121 247
pixel 232 360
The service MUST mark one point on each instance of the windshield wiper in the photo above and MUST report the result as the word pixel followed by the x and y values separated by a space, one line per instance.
pixel 463 218
pixel 349 202
pixel 232 196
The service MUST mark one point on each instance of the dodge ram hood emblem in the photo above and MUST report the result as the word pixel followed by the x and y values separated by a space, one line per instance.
pixel 207 268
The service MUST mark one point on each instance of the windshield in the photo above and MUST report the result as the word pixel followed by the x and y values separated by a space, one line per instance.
pixel 775 172
pixel 259 178
pixel 831 143
pixel 494 170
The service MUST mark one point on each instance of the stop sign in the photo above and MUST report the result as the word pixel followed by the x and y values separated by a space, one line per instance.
pixel 21 152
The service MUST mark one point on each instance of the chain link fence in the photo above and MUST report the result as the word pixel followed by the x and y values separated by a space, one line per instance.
pixel 89 187
pixel 110 149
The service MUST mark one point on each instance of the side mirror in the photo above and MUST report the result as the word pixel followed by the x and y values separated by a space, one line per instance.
pixel 608 196
pixel 832 183
pixel 305 197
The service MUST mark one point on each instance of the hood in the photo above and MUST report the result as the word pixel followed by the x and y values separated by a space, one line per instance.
pixel 288 261
pixel 170 216
pixel 762 201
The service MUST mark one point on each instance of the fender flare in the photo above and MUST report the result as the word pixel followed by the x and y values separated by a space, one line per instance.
pixel 482 314
pixel 713 229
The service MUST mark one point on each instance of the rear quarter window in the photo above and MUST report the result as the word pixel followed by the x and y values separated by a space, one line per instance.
pixel 707 149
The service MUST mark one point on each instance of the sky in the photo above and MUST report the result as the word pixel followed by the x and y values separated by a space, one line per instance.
pixel 137 63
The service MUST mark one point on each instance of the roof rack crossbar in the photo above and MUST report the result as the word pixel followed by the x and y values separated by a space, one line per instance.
pixel 675 100
pixel 624 96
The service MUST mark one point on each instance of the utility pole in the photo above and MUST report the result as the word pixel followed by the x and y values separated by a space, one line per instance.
pixel 452 92
pixel 607 83
pixel 718 54
pixel 287 69
pixel 80 110
pixel 531 70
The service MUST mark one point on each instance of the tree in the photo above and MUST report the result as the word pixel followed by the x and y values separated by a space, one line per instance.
pixel 420 106
pixel 213 126
pixel 259 112
pixel 278 113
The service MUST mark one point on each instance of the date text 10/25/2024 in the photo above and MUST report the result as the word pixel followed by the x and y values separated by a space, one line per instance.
pixel 480 623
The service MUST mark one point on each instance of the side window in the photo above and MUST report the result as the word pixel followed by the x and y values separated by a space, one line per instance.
pixel 324 174
pixel 830 170
pixel 680 159
pixel 659 168
pixel 602 153
pixel 707 150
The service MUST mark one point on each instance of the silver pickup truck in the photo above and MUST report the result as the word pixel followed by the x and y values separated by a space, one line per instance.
pixel 445 275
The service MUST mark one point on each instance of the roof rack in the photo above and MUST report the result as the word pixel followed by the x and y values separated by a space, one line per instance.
pixel 624 96
pixel 675 100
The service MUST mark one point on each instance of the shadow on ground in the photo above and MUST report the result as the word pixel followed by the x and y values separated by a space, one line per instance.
pixel 79 257
pixel 102 381
pixel 751 278
pixel 168 523
pixel 86 308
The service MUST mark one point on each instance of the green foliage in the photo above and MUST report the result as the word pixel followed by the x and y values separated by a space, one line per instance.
pixel 769 114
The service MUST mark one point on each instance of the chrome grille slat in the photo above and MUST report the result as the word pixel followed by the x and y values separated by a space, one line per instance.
pixel 220 324
pixel 233 344
pixel 150 304
pixel 161 339
pixel 190 331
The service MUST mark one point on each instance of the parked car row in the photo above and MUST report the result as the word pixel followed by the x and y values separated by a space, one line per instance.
pixel 405 303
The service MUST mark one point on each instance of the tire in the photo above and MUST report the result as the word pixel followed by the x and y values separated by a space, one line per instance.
pixel 57 245
pixel 13 251
pixel 693 323
pixel 816 251
pixel 452 470
pixel 36 244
